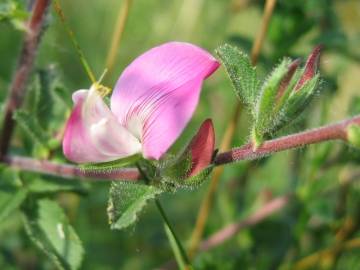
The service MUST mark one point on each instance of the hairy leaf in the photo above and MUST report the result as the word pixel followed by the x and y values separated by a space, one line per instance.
pixel 265 105
pixel 241 73
pixel 126 201
pixel 50 230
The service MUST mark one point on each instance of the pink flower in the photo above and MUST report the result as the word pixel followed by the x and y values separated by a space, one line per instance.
pixel 152 102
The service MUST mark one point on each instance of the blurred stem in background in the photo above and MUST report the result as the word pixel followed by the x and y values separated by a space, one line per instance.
pixel 26 60
pixel 113 50
pixel 72 37
pixel 225 144
pixel 117 35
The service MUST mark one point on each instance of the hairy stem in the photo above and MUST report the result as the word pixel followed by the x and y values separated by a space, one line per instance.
pixel 27 55
pixel 207 202
pixel 70 171
pixel 335 131
pixel 178 250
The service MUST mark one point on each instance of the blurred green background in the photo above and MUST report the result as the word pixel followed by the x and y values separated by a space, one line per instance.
pixel 324 178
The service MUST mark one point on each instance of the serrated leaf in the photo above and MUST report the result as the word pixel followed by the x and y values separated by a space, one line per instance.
pixel 32 127
pixel 241 73
pixel 126 201
pixel 48 227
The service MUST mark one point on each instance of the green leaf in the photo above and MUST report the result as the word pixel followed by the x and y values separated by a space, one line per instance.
pixel 111 165
pixel 297 103
pixel 50 184
pixel 196 180
pixel 241 73
pixel 63 95
pixel 48 227
pixel 12 194
pixel 126 200
pixel 47 80
pixel 32 127
pixel 265 105
pixel 10 201
pixel 173 173
pixel 13 12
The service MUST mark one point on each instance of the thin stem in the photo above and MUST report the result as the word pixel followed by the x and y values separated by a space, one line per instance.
pixel 335 131
pixel 117 35
pixel 27 55
pixel 71 34
pixel 330 132
pixel 315 259
pixel 207 202
pixel 178 250
pixel 230 230
pixel 259 41
pixel 70 171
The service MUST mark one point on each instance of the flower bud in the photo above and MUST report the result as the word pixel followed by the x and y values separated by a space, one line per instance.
pixel 201 148
pixel 287 78
pixel 311 67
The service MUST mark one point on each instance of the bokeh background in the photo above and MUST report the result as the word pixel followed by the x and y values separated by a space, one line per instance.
pixel 324 178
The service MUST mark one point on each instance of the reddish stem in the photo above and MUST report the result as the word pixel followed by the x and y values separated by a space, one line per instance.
pixel 232 229
pixel 26 60
pixel 330 132
pixel 70 171
pixel 335 131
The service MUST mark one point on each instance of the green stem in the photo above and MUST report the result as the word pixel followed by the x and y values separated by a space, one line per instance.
pixel 178 250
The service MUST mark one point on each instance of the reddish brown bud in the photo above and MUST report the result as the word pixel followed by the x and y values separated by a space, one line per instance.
pixel 287 78
pixel 201 147
pixel 311 67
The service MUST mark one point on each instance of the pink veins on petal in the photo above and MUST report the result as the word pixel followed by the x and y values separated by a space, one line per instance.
pixel 151 104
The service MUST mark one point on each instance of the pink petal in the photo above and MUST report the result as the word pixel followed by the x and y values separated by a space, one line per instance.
pixel 158 92
pixel 93 134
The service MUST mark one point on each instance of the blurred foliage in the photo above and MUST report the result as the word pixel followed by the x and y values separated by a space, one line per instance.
pixel 324 178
